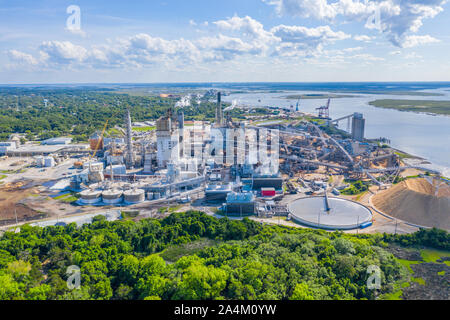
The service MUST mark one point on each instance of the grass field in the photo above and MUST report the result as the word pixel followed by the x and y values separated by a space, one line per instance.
pixel 270 121
pixel 418 280
pixel 67 197
pixel 428 106
pixel 361 195
pixel 129 215
pixel 168 209
pixel 112 132
pixel 408 263
pixel 173 253
pixel 398 288
pixel 393 296
pixel 398 93
pixel 318 96
pixel 431 255
pixel 144 129
pixel 428 256
pixel 403 155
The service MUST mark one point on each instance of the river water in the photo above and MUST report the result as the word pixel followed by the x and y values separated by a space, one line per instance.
pixel 423 135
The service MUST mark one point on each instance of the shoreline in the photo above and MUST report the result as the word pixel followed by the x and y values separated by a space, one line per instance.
pixel 441 108
pixel 405 156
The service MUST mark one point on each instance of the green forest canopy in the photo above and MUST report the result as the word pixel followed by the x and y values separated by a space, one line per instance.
pixel 122 260
pixel 79 112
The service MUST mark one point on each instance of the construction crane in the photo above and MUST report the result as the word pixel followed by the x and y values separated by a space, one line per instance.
pixel 100 139
pixel 324 111
pixel 298 102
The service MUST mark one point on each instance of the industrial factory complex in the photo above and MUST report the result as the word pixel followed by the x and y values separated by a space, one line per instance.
pixel 298 168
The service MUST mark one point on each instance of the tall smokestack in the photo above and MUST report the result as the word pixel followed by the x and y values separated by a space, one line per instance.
pixel 181 132
pixel 129 159
pixel 180 119
pixel 219 112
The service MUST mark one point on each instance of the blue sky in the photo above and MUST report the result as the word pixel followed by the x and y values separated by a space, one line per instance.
pixel 214 41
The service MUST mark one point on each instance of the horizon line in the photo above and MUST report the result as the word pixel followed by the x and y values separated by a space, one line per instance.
pixel 211 82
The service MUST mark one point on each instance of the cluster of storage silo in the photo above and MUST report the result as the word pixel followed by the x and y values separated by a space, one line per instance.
pixel 120 192
pixel 47 161
pixel 153 196
pixel 113 196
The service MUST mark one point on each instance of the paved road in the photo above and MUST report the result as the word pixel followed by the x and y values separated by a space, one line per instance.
pixel 110 215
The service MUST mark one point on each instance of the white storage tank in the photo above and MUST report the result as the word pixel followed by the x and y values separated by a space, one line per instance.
pixel 112 196
pixel 39 161
pixel 90 196
pixel 119 169
pixel 192 165
pixel 150 196
pixel 93 166
pixel 134 196
pixel 49 162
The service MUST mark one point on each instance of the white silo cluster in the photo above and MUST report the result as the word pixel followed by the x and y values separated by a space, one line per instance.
pixel 114 193
pixel 47 161
pixel 166 170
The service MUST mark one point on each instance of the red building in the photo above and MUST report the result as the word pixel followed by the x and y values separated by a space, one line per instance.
pixel 268 192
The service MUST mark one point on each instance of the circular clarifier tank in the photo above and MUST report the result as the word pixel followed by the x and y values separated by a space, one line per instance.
pixel 341 214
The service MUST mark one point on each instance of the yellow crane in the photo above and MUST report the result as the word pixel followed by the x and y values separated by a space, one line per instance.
pixel 100 139
pixel 102 133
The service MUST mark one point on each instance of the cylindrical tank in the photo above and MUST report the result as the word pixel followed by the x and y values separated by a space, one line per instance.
pixel 49 162
pixel 192 165
pixel 112 196
pixel 126 186
pixel 119 169
pixel 39 161
pixel 150 195
pixel 156 195
pixel 74 184
pixel 78 164
pixel 90 196
pixel 134 196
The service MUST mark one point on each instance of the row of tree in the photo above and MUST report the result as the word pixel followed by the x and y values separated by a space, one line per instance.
pixel 121 260
pixel 80 111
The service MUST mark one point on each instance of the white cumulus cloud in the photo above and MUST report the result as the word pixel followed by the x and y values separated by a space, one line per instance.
pixel 62 52
pixel 247 25
pixel 414 41
pixel 239 37
pixel 21 58
pixel 362 37
pixel 397 19
pixel 311 40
